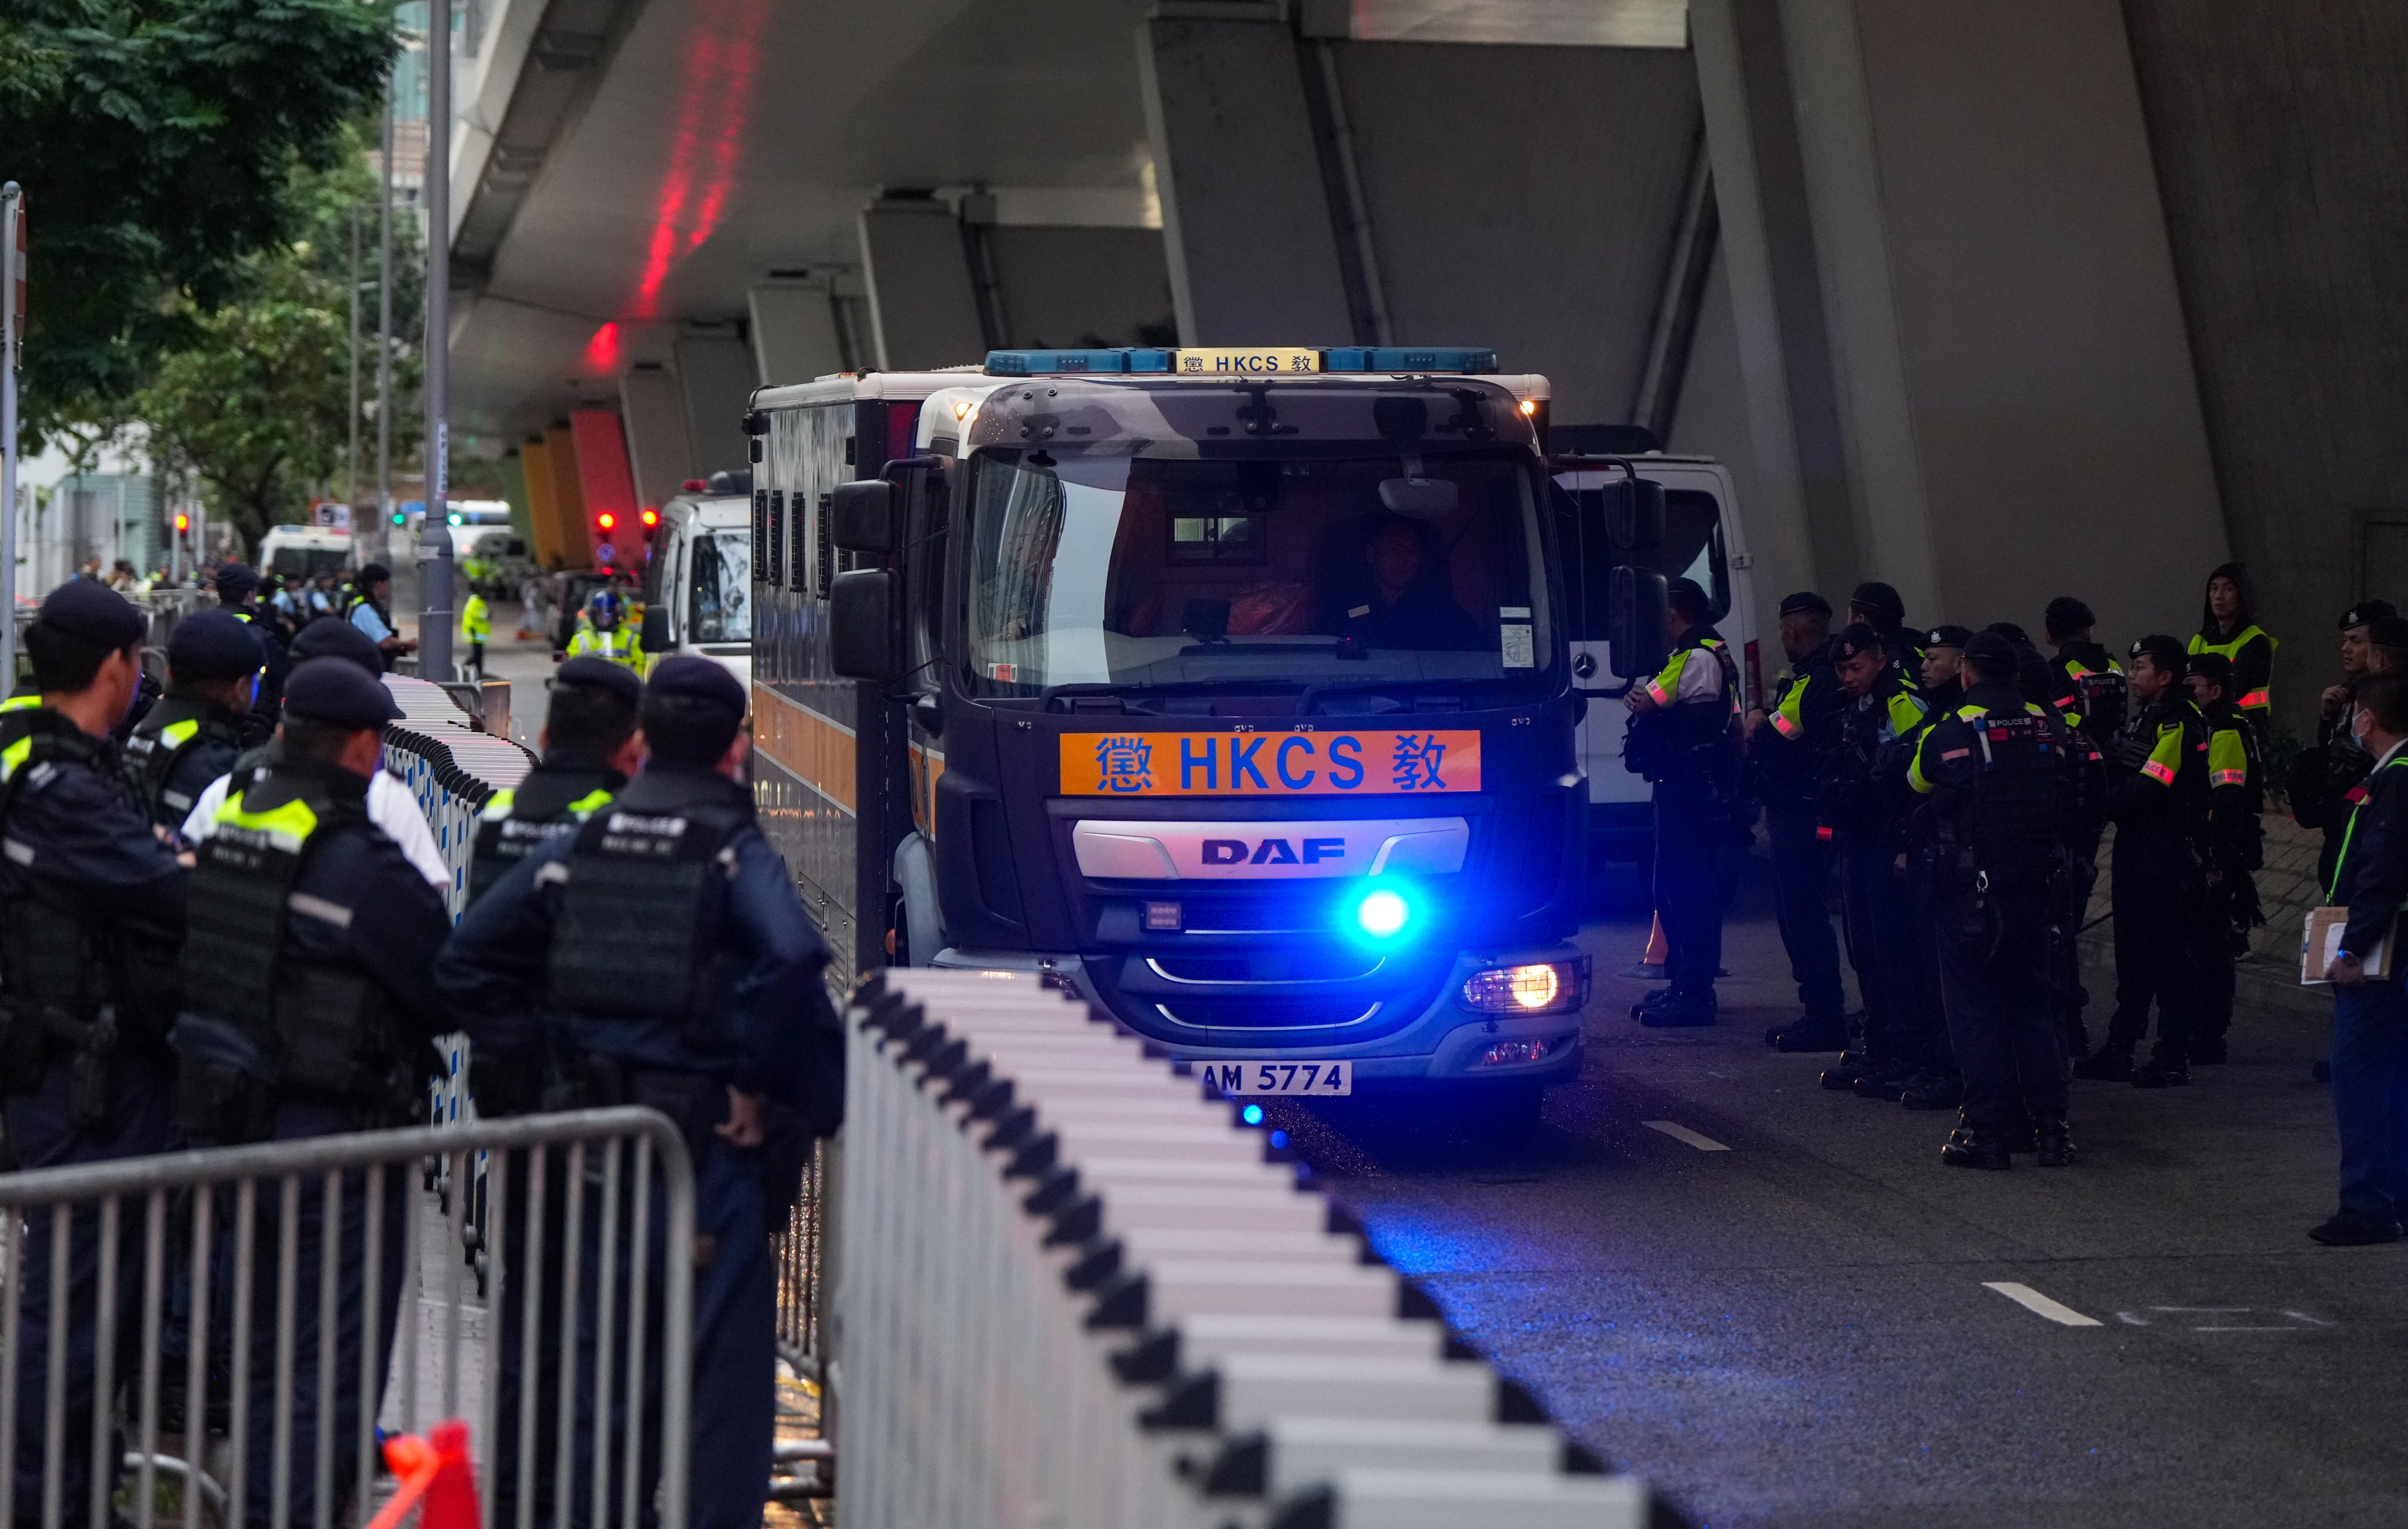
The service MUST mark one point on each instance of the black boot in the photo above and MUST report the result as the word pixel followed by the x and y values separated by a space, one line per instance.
pixel 2162 1072
pixel 1973 1147
pixel 1811 1033
pixel 1656 998
pixel 1884 1080
pixel 1842 1075
pixel 1933 1091
pixel 1682 1011
pixel 2055 1141
pixel 2110 1063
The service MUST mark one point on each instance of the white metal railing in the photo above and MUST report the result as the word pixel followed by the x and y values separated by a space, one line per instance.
pixel 1073 1291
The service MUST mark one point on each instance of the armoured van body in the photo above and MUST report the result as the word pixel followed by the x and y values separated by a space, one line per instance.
pixel 1240 703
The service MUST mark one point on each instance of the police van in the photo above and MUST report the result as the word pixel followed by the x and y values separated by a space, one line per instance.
pixel 697 587
pixel 1232 690
pixel 1702 539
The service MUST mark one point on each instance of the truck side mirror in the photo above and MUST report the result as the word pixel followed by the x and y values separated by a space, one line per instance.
pixel 864 516
pixel 1634 621
pixel 1634 509
pixel 865 621
pixel 655 638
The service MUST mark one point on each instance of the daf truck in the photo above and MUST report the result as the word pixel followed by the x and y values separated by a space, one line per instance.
pixel 1234 690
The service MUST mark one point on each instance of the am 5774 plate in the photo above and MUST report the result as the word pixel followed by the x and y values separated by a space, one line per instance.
pixel 1322 1079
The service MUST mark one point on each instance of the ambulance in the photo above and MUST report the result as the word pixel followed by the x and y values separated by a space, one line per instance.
pixel 1233 690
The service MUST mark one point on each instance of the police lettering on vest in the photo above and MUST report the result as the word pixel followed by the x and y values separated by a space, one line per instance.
pixel 162 741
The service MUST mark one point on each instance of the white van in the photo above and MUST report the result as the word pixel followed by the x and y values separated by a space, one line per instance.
pixel 1704 540
pixel 698 581
pixel 298 553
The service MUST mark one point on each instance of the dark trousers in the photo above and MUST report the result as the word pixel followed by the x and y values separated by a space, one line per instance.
pixel 354 1331
pixel 2370 1090
pixel 735 1353
pixel 2213 958
pixel 1690 836
pixel 1993 979
pixel 1927 1010
pixel 1881 945
pixel 2069 910
pixel 2157 901
pixel 43 1135
pixel 1801 882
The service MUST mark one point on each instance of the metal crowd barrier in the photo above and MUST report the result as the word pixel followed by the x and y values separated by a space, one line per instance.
pixel 1074 1291
pixel 451 765
pixel 187 1253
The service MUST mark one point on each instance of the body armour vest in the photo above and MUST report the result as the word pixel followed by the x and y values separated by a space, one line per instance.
pixel 518 821
pixel 159 744
pixel 642 897
pixel 2010 816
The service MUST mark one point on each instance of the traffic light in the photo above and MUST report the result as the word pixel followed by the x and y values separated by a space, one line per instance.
pixel 605 520
pixel 401 517
pixel 183 523
pixel 652 517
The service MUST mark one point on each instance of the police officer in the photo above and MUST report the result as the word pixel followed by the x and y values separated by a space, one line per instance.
pixel 194 734
pixel 1782 745
pixel 476 629
pixel 2091 684
pixel 371 612
pixel 2370 1033
pixel 1682 739
pixel 672 964
pixel 238 593
pixel 2322 779
pixel 2227 626
pixel 606 636
pixel 1941 671
pixel 1996 773
pixel 591 746
pixel 1862 811
pixel 91 907
pixel 2235 849
pixel 309 1010
pixel 1878 605
pixel 2158 796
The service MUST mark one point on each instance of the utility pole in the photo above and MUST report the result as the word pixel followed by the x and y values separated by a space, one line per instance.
pixel 372 546
pixel 436 561
pixel 12 261
pixel 352 461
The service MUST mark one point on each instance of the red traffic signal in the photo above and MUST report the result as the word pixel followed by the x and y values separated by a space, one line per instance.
pixel 183 523
pixel 652 517
pixel 605 520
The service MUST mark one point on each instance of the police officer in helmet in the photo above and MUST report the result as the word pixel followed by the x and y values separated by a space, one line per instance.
pixel 1995 775
pixel 605 637
pixel 91 905
pixel 664 949
pixel 309 1010
pixel 194 733
pixel 1682 739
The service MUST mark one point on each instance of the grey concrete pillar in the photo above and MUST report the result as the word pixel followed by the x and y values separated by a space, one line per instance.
pixel 924 301
pixel 1992 305
pixel 1252 256
pixel 715 380
pixel 657 453
pixel 793 332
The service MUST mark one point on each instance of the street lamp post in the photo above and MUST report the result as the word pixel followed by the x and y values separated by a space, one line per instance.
pixel 435 563
pixel 12 209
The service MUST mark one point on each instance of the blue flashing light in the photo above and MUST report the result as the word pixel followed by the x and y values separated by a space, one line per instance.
pixel 1252 1114
pixel 1059 363
pixel 1383 913
pixel 1399 358
pixel 1279 1139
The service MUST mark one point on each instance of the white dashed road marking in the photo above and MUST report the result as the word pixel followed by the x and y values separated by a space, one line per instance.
pixel 2038 1305
pixel 1682 1133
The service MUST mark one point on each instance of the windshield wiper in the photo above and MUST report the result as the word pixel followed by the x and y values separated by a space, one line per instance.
pixel 1126 692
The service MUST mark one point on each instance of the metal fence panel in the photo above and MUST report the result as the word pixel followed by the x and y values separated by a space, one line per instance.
pixel 238 1324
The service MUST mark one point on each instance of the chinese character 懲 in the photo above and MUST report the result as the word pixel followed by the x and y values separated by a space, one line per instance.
pixel 1126 764
pixel 1416 763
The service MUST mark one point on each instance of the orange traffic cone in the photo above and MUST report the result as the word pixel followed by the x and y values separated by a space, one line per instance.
pixel 1655 956
pixel 436 1470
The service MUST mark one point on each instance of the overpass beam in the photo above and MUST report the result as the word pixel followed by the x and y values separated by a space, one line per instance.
pixel 657 453
pixel 715 376
pixel 1953 295
pixel 794 333
pixel 924 298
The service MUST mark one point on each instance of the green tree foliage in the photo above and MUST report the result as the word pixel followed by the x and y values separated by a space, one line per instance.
pixel 255 403
pixel 157 141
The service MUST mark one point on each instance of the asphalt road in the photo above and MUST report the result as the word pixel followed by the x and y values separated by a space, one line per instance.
pixel 1778 1311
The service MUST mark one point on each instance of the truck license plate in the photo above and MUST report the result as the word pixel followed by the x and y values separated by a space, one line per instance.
pixel 1323 1080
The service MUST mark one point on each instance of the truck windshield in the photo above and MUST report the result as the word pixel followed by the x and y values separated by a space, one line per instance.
pixel 722 587
pixel 1151 572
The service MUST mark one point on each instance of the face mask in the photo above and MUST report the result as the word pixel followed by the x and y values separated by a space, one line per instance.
pixel 2357 731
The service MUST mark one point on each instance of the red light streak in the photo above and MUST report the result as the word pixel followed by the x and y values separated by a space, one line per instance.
pixel 714 103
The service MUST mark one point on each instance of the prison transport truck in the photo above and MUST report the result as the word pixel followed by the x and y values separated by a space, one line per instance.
pixel 1230 689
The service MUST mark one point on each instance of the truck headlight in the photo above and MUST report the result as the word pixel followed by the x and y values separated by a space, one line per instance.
pixel 1539 986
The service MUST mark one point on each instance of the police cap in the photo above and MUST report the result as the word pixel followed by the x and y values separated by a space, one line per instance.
pixel 1947 636
pixel 1854 638
pixel 213 645
pixel 1985 651
pixel 1806 602
pixel 2214 668
pixel 375 572
pixel 327 637
pixel 2167 652
pixel 1880 599
pixel 687 677
pixel 237 582
pixel 329 690
pixel 2366 613
pixel 2017 636
pixel 2067 615
pixel 2389 632
pixel 620 680
pixel 93 612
